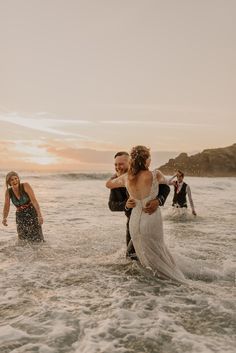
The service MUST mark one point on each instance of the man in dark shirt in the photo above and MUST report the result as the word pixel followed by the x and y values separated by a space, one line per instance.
pixel 119 199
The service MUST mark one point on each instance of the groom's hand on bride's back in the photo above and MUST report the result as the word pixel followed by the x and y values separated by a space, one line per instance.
pixel 151 206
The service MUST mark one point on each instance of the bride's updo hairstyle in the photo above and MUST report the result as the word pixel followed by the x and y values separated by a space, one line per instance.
pixel 138 161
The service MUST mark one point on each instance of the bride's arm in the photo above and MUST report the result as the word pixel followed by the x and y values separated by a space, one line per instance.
pixel 171 181
pixel 117 182
pixel 162 179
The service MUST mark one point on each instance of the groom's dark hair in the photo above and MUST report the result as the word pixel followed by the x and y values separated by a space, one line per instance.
pixel 180 172
pixel 121 153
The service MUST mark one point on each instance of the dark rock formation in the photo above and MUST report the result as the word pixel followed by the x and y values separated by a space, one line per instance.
pixel 216 162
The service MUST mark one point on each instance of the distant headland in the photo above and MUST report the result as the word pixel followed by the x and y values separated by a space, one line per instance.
pixel 217 162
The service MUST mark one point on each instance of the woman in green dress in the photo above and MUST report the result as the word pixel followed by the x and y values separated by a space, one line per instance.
pixel 28 215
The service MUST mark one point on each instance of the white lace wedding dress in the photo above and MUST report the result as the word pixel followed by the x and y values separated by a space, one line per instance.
pixel 147 235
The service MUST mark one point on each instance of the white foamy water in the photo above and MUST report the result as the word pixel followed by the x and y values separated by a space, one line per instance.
pixel 78 294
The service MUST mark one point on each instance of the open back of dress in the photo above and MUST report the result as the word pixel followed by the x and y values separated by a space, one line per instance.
pixel 147 236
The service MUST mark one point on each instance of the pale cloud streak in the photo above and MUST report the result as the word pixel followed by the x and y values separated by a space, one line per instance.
pixel 92 133
pixel 43 125
pixel 153 123
pixel 163 108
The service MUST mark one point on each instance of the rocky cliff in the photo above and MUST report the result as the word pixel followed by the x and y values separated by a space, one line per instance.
pixel 216 162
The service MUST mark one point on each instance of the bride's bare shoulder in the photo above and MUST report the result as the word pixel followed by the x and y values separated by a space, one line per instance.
pixel 145 174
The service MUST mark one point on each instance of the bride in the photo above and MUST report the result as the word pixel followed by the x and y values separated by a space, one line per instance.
pixel 147 230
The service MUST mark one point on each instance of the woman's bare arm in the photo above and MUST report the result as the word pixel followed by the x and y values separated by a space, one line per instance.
pixel 117 182
pixel 6 208
pixel 162 179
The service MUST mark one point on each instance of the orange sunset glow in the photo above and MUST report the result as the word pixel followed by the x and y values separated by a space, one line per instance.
pixel 117 76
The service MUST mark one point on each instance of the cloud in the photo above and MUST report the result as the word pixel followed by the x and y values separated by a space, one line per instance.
pixel 31 128
pixel 162 108
pixel 153 123
pixel 95 157
pixel 44 125
pixel 56 155
pixel 26 152
pixel 11 158
pixel 80 155
pixel 7 150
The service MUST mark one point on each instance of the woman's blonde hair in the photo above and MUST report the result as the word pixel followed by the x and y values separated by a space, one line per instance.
pixel 9 176
pixel 138 160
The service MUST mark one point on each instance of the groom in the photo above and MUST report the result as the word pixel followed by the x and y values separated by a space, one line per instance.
pixel 119 199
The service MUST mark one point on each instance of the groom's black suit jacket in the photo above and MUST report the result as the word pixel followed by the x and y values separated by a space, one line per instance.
pixel 118 198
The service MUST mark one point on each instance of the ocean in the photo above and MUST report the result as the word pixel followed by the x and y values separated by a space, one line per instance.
pixel 77 293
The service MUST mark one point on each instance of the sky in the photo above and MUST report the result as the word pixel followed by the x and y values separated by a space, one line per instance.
pixel 82 79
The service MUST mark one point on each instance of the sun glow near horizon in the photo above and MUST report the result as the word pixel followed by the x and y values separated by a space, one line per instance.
pixel 159 74
pixel 55 144
pixel 34 152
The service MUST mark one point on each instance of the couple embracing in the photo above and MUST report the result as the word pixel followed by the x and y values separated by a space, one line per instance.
pixel 147 190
